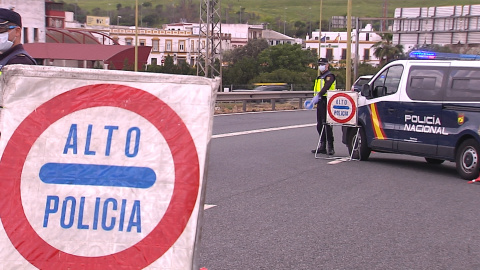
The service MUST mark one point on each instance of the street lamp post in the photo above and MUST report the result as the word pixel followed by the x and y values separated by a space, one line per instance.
pixel 118 19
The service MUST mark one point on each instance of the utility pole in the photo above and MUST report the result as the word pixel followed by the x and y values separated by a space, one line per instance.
pixel 385 13
pixel 348 66
pixel 320 35
pixel 210 39
pixel 136 36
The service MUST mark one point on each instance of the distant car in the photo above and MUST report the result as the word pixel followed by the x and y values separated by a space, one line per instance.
pixel 271 88
pixel 264 88
pixel 357 85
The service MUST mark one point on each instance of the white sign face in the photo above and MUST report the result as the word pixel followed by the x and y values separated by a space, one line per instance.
pixel 342 107
pixel 99 178
pixel 102 182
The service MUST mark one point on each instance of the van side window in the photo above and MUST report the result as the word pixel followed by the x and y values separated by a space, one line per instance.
pixel 387 82
pixel 426 82
pixel 463 85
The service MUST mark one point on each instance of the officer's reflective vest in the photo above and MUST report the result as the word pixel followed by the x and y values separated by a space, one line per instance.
pixel 320 82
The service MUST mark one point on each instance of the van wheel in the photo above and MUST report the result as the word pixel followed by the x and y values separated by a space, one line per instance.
pixel 434 160
pixel 358 147
pixel 467 159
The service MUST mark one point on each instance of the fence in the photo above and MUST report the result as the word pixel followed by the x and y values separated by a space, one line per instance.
pixel 273 96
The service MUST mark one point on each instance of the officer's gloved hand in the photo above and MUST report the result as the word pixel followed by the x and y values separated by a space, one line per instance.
pixel 308 104
pixel 315 99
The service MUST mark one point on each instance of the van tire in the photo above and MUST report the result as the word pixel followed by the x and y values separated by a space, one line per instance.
pixel 361 151
pixel 468 160
pixel 434 160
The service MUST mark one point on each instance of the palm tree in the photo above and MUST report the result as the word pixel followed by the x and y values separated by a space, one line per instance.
pixel 386 51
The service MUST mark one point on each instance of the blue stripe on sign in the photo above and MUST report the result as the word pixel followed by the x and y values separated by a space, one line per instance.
pixel 338 107
pixel 97 175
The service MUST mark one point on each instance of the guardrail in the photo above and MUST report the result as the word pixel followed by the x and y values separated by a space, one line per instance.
pixel 259 95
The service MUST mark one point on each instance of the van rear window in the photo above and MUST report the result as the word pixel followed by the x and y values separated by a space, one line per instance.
pixel 463 85
pixel 425 83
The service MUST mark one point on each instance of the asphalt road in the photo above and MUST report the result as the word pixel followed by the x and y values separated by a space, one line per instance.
pixel 274 206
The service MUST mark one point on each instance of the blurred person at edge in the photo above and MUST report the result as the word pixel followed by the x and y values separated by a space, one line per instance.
pixel 11 48
pixel 325 82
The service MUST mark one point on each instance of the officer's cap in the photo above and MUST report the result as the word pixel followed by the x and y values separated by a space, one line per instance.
pixel 10 16
pixel 322 61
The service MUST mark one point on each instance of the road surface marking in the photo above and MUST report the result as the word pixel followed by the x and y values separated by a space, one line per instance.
pixel 340 160
pixel 260 131
pixel 208 206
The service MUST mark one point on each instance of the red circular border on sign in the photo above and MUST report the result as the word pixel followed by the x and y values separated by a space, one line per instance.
pixel 187 173
pixel 354 109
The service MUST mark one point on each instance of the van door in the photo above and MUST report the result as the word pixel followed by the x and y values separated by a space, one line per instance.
pixel 420 113
pixel 383 107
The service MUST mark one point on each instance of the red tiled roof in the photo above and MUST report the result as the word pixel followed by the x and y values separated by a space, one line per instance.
pixel 91 52
pixel 71 51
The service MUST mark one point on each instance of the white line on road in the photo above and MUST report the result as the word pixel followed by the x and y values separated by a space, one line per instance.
pixel 339 160
pixel 208 206
pixel 259 131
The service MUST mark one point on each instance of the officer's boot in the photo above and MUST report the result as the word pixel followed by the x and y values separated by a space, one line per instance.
pixel 321 150
pixel 330 151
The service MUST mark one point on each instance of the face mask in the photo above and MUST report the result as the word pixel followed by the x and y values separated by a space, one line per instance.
pixel 322 68
pixel 5 44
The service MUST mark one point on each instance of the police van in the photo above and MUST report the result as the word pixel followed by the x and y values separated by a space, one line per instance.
pixel 426 108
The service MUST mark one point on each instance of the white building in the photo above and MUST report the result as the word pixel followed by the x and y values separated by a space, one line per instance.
pixel 180 41
pixel 455 25
pixel 334 45
pixel 241 33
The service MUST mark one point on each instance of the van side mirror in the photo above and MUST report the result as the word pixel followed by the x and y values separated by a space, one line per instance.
pixel 366 91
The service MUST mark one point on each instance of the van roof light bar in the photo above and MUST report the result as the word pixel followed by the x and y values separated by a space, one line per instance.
pixel 427 55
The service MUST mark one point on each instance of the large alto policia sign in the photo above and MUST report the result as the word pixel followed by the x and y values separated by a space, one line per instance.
pixel 342 107
pixel 101 169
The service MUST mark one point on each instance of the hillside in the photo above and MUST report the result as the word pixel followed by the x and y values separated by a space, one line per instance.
pixel 290 10
pixel 292 17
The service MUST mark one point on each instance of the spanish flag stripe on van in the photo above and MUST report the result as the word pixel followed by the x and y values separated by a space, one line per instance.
pixel 376 123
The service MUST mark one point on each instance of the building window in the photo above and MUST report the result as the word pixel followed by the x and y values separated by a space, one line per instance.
pixel 168 45
pixel 192 45
pixel 154 61
pixel 25 35
pixel 155 45
pixel 329 54
pixel 181 46
pixel 129 41
pixel 35 35
pixel 344 54
pixel 142 42
pixel 366 54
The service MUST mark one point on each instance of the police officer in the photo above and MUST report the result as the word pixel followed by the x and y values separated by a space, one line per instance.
pixel 11 48
pixel 325 82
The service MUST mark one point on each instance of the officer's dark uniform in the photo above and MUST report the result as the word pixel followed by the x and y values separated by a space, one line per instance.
pixel 323 83
pixel 19 56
